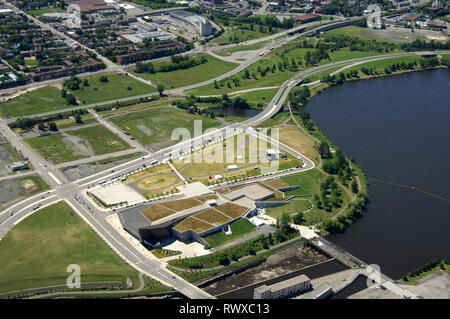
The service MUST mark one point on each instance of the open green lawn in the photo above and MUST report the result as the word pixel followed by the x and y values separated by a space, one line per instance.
pixel 380 35
pixel 98 138
pixel 45 99
pixel 101 139
pixel 31 62
pixel 258 97
pixel 38 12
pixel 309 183
pixel 276 120
pixel 54 148
pixel 238 48
pixel 179 78
pixel 239 228
pixel 115 88
pixel 295 206
pixel 279 55
pixel 37 251
pixel 156 125
pixel 346 54
pixel 381 64
pixel 240 35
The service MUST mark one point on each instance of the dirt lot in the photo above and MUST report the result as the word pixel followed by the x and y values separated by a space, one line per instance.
pixel 13 189
pixel 74 173
pixel 285 261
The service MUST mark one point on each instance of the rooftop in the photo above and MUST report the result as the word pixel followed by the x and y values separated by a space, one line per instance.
pixel 253 191
pixel 289 282
pixel 194 189
pixel 211 218
pixel 116 193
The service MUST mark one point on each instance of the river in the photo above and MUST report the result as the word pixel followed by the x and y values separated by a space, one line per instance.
pixel 397 128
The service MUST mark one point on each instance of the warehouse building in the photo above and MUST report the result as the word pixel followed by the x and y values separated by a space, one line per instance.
pixel 283 289
pixel 202 24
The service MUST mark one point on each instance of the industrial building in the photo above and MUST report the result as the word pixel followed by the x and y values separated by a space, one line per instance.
pixel 202 24
pixel 18 166
pixel 283 289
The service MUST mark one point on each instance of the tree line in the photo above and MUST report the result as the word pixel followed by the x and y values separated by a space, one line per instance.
pixel 178 63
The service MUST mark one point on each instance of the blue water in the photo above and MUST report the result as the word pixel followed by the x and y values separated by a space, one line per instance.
pixel 397 128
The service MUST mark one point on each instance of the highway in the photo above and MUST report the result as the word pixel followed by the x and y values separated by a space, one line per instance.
pixel 72 192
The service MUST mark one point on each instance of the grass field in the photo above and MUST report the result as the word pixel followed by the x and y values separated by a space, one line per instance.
pixel 101 139
pixel 380 35
pixel 381 64
pixel 258 97
pixel 160 123
pixel 65 123
pixel 35 182
pixel 31 62
pixel 294 137
pixel 37 251
pixel 45 99
pixel 54 148
pixel 216 158
pixel 38 12
pixel 240 35
pixel 238 48
pixel 309 184
pixel 179 78
pixel 151 171
pixel 115 88
pixel 276 78
pixel 294 206
pixel 275 121
pixel 98 138
pixel 270 79
pixel 239 228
